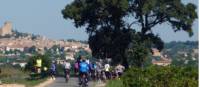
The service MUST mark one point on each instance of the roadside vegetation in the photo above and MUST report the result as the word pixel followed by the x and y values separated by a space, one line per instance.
pixel 157 76
pixel 15 75
pixel 122 30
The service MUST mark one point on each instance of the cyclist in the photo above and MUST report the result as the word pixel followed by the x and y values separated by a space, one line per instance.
pixel 67 67
pixel 76 67
pixel 53 70
pixel 119 70
pixel 99 69
pixel 84 70
pixel 93 68
pixel 107 70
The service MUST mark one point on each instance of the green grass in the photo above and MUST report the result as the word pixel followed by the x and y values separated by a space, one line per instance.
pixel 27 83
pixel 11 75
pixel 114 83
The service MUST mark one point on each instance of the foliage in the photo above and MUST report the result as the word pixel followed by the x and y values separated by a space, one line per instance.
pixel 138 50
pixel 10 75
pixel 158 76
pixel 46 62
pixel 137 54
pixel 83 53
pixel 115 83
pixel 110 32
pixel 150 13
pixel 10 71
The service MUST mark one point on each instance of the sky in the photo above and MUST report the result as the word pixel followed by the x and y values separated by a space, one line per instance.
pixel 44 17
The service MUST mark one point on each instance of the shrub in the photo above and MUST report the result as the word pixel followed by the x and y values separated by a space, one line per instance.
pixel 46 62
pixel 115 83
pixel 158 76
pixel 11 74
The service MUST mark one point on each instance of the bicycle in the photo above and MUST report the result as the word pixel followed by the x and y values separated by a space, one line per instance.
pixel 67 75
pixel 83 81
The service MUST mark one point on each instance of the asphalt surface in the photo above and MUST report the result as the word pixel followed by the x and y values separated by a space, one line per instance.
pixel 73 82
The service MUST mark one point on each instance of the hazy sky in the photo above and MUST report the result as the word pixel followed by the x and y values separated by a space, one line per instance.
pixel 44 17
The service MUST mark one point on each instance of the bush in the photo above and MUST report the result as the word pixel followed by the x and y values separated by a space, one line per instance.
pixel 46 62
pixel 10 74
pixel 158 76
pixel 59 70
pixel 115 83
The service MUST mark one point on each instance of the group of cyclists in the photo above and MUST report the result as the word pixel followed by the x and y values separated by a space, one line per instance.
pixel 86 70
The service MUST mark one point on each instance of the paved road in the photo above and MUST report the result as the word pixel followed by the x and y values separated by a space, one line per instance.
pixel 73 82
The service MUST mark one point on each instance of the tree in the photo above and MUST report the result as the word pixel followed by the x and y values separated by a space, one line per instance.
pixel 83 53
pixel 32 49
pixel 150 13
pixel 46 62
pixel 109 31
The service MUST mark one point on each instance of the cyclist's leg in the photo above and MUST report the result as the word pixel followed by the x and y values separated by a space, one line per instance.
pixel 80 78
pixel 85 78
pixel 68 73
pixel 54 75
pixel 51 73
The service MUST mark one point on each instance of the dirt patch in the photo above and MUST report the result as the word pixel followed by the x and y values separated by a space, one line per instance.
pixel 12 85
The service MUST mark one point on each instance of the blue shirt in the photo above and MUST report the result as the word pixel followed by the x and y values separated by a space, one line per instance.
pixel 84 67
pixel 53 67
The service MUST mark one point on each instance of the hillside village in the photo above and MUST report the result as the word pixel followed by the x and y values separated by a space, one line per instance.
pixel 12 43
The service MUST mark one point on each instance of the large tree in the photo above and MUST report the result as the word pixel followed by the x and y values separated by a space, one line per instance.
pixel 110 34
pixel 149 13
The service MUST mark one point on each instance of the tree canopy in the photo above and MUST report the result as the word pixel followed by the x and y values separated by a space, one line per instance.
pixel 110 32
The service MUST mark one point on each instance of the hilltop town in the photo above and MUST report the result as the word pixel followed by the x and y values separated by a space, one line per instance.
pixel 12 40
pixel 14 43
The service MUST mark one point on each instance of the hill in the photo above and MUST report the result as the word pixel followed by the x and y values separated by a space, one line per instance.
pixel 182 53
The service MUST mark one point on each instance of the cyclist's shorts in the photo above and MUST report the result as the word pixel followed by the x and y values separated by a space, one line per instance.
pixel 83 73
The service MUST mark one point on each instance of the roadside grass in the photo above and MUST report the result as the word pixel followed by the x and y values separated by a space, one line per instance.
pixel 114 83
pixel 27 83
pixel 13 75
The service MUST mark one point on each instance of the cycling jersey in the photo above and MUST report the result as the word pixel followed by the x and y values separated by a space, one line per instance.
pixel 76 65
pixel 107 67
pixel 67 65
pixel 84 67
pixel 119 68
pixel 53 67
pixel 95 66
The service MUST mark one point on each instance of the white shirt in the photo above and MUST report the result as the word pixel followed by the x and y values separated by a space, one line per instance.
pixel 119 68
pixel 107 67
pixel 67 65
pixel 88 61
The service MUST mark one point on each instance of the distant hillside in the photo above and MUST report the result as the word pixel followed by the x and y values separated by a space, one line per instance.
pixel 182 53
pixel 181 45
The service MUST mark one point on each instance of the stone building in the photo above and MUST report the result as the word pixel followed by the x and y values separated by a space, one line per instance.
pixel 159 59
pixel 6 29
